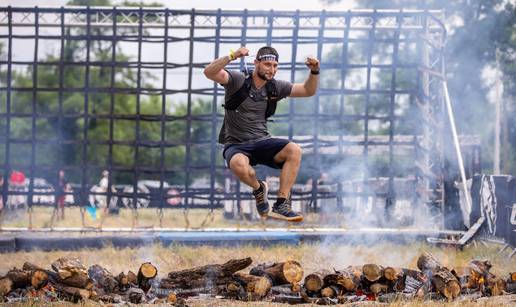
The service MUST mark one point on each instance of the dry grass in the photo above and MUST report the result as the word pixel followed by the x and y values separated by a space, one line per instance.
pixel 311 256
pixel 172 218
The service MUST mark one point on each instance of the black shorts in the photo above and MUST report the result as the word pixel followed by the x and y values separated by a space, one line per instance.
pixel 261 152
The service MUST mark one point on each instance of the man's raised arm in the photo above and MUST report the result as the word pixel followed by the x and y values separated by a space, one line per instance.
pixel 310 86
pixel 215 70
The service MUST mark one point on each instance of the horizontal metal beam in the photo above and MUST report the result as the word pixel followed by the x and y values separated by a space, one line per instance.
pixel 230 19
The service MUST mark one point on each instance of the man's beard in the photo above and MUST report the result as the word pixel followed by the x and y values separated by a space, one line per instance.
pixel 262 76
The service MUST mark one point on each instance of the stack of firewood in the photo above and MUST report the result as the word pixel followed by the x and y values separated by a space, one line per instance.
pixel 277 282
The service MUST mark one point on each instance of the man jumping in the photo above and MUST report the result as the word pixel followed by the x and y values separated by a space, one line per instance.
pixel 249 101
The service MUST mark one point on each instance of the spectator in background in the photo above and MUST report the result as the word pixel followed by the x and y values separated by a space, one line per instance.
pixel 61 194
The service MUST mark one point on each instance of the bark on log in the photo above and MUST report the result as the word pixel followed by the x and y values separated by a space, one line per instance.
pixel 446 283
pixel 288 272
pixel 442 279
pixel 145 275
pixel 67 267
pixel 349 278
pixel 24 278
pixel 510 287
pixel 378 288
pixel 427 262
pixel 40 276
pixel 314 282
pixel 372 272
pixel 392 274
pixel 103 278
pixel 414 281
pixel 131 276
pixel 496 286
pixel 256 286
pixel 123 281
pixel 135 295
pixel 74 293
pixel 468 278
pixel 198 277
pixel 6 286
pixel 20 278
pixel 71 272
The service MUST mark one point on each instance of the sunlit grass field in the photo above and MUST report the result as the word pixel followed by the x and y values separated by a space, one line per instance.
pixel 43 217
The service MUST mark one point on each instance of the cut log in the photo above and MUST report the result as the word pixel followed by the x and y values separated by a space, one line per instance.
pixel 442 279
pixel 40 276
pixel 372 272
pixel 414 281
pixel 25 278
pixel 145 275
pixel 392 274
pixel 331 291
pixel 314 282
pixel 123 282
pixel 20 278
pixel 349 278
pixel 289 272
pixel 6 286
pixel 512 276
pixel 256 286
pixel 285 294
pixel 446 283
pixel 38 279
pixel 215 274
pixel 481 267
pixel 73 293
pixel 378 288
pixel 67 267
pixel 103 278
pixel 510 287
pixel 427 262
pixel 135 295
pixel 496 286
pixel 131 277
pixel 71 272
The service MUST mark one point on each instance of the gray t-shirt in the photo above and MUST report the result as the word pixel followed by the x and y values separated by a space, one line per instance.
pixel 247 124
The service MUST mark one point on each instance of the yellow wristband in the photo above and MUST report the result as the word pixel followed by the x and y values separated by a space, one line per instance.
pixel 231 55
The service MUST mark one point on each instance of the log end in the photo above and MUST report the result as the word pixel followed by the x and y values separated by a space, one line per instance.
pixel 293 271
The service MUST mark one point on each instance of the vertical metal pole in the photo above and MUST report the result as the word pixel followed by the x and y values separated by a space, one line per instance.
pixel 7 166
pixel 84 166
pixel 370 46
pixel 391 197
pixel 138 116
pixel 317 157
pixel 113 63
pixel 293 69
pixel 163 196
pixel 189 107
pixel 34 112
pixel 213 140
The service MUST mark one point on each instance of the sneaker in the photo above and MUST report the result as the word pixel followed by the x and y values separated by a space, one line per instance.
pixel 282 211
pixel 262 203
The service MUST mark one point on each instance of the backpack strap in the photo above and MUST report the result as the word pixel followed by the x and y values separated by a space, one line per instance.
pixel 239 96
pixel 243 92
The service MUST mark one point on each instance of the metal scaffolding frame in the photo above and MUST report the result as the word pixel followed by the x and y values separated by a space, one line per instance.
pixel 421 33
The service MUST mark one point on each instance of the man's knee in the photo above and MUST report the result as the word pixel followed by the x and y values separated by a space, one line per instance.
pixel 294 151
pixel 239 163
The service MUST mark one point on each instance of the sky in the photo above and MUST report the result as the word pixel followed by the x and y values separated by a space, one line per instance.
pixel 214 4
